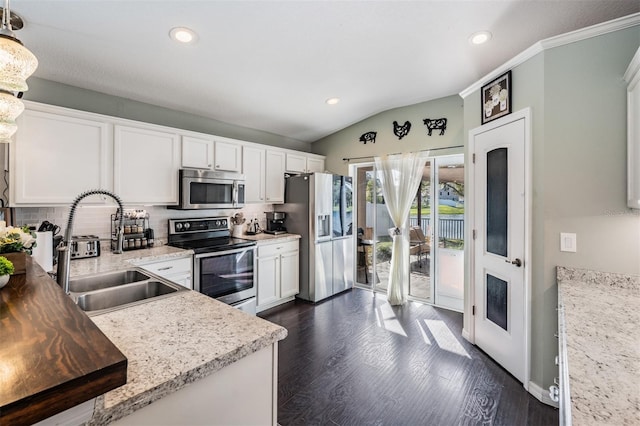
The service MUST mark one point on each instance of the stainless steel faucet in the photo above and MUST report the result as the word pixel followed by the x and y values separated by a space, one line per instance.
pixel 63 250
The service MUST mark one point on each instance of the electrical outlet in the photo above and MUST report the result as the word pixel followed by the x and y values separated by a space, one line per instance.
pixel 568 242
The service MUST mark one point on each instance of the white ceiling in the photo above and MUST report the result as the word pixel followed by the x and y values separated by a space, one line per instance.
pixel 270 65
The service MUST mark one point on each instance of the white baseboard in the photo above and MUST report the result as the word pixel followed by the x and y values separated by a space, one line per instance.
pixel 541 394
pixel 466 335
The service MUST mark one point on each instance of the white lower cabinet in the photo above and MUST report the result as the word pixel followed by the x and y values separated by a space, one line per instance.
pixel 174 270
pixel 215 399
pixel 278 278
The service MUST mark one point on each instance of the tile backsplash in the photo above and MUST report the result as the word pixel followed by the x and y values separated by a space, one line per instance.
pixel 92 220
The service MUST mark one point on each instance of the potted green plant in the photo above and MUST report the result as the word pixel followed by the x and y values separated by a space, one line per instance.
pixel 6 269
pixel 15 244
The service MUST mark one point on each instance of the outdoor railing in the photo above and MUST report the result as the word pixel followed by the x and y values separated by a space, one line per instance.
pixel 452 229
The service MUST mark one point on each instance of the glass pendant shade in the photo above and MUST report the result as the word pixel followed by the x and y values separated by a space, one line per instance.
pixel 17 63
pixel 10 108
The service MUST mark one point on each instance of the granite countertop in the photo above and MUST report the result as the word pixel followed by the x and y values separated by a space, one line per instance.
pixel 184 338
pixel 170 342
pixel 602 313
pixel 107 261
pixel 264 238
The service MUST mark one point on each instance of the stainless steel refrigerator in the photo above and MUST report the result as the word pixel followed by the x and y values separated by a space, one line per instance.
pixel 319 207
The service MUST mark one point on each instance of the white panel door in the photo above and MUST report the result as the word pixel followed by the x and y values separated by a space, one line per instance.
pixel 499 248
pixel 146 164
pixel 57 157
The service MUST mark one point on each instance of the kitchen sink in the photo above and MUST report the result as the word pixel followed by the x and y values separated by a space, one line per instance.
pixel 106 280
pixel 125 295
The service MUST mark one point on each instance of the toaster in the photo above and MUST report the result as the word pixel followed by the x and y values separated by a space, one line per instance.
pixel 83 246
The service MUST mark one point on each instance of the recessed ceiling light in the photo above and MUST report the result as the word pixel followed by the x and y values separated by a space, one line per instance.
pixel 480 37
pixel 183 35
pixel 332 101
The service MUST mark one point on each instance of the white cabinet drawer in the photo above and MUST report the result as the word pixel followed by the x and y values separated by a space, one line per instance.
pixel 277 248
pixel 169 267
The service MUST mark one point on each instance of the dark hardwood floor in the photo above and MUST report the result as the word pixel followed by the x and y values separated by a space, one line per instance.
pixel 355 360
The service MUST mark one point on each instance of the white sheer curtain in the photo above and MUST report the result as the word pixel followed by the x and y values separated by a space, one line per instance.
pixel 400 175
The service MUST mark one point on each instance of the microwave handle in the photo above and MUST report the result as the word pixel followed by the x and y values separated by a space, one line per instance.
pixel 234 200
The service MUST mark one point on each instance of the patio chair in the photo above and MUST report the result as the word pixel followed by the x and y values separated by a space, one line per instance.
pixel 419 244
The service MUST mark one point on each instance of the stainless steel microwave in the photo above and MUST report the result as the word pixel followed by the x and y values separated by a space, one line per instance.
pixel 204 189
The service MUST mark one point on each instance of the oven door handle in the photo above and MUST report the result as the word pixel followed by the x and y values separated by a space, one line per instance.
pixel 222 253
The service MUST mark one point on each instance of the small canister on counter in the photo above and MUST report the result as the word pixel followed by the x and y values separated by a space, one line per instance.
pixel 138 243
pixel 144 243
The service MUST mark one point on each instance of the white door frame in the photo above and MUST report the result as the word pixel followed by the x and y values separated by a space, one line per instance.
pixel 471 205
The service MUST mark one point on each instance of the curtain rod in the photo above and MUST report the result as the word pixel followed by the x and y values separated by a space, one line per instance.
pixel 422 150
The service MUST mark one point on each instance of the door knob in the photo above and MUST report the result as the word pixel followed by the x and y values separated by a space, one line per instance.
pixel 516 262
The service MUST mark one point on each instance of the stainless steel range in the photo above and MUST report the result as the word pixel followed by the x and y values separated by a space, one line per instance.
pixel 224 267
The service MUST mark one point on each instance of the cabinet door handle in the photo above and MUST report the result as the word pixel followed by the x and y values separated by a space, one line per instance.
pixel 165 268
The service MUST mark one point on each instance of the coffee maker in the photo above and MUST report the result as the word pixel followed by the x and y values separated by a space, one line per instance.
pixel 275 223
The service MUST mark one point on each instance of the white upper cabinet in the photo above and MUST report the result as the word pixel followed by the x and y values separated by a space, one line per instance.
pixel 274 177
pixel 253 168
pixel 296 163
pixel 228 156
pixel 300 163
pixel 146 165
pixel 56 157
pixel 197 153
pixel 315 165
pixel 632 77
pixel 60 152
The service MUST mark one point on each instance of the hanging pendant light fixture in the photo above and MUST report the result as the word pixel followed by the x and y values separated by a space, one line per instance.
pixel 17 64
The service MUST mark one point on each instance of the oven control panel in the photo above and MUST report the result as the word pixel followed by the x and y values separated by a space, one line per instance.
pixel 179 226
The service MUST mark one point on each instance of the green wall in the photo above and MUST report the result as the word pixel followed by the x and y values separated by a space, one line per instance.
pixel 345 143
pixel 577 98
pixel 53 93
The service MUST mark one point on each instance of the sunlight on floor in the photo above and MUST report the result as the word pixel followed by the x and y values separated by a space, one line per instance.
pixel 445 338
pixel 388 321
pixel 423 332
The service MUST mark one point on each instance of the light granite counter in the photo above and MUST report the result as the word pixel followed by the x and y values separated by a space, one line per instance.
pixel 172 341
pixel 601 319
pixel 264 238
pixel 107 261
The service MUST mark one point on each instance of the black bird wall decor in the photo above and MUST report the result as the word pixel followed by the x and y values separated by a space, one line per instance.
pixel 435 124
pixel 401 130
pixel 368 137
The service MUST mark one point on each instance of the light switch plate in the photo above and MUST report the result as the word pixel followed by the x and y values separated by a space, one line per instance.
pixel 568 242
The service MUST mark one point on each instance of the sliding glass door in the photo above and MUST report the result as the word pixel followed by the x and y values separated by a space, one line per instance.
pixel 435 250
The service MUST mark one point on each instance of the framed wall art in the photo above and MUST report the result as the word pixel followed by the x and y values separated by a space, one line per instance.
pixel 496 98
